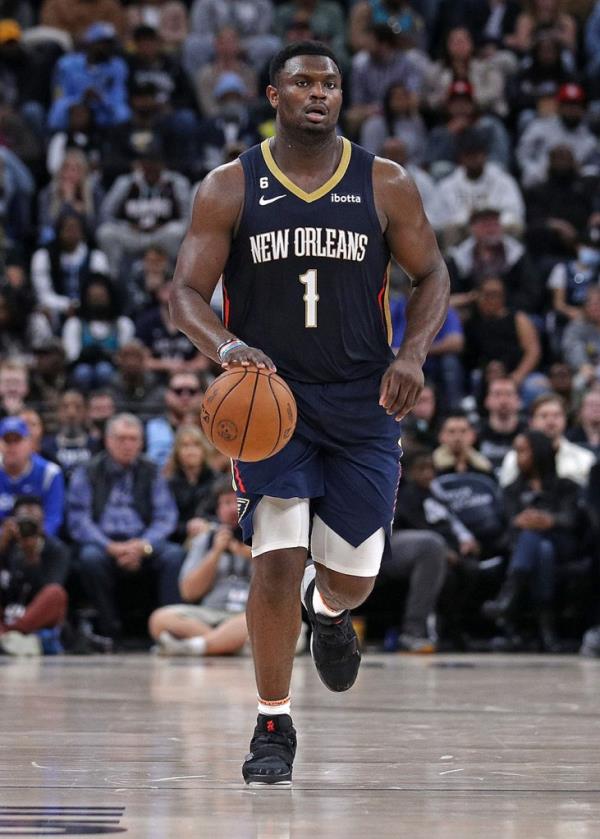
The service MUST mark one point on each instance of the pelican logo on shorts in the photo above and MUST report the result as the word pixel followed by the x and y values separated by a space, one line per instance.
pixel 345 199
pixel 227 430
pixel 242 507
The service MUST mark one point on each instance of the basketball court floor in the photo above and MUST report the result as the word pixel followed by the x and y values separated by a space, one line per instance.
pixel 465 747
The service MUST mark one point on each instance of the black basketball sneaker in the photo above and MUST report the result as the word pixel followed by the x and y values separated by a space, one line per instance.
pixel 334 646
pixel 272 751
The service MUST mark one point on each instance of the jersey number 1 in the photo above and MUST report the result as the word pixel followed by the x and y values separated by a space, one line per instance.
pixel 311 298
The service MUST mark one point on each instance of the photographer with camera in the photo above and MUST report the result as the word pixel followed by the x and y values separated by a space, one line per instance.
pixel 214 583
pixel 33 570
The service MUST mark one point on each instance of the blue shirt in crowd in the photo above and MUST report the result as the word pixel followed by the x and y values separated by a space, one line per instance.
pixel 451 326
pixel 43 479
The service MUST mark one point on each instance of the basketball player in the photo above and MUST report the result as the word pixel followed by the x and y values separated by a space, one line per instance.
pixel 302 227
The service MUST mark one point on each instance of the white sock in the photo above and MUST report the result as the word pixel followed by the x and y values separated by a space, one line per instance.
pixel 272 707
pixel 182 646
pixel 321 608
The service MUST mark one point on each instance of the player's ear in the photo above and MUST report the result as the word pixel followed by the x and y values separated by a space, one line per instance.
pixel 273 96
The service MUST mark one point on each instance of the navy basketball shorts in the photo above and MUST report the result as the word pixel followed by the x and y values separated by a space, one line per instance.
pixel 344 456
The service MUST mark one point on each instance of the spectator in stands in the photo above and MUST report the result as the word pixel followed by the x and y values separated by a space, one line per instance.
pixel 461 64
pixel 21 329
pixel 72 188
pixel 191 481
pixel 494 333
pixel 566 128
pixel 399 15
pixel 592 45
pixel 457 452
pixel 543 71
pixel 81 134
pixel 394 149
pixel 34 571
pixel 542 510
pixel 133 386
pixel 587 431
pixel 170 350
pixel 49 380
pixel 547 414
pixel 72 444
pixel 101 408
pixel 252 20
pixel 561 381
pixel 476 183
pixel 375 70
pixel 488 251
pixel 120 515
pixel 169 17
pixel 570 281
pixel 60 271
pixel 14 386
pixel 228 58
pixel 419 429
pixel 581 338
pixel 25 473
pixel 183 398
pixel 503 421
pixel 96 77
pixel 559 207
pixel 78 16
pixel 148 275
pixel 488 19
pixel 231 125
pixel 24 77
pixel 148 207
pixel 17 187
pixel 544 16
pixel 95 334
pixel 34 423
pixel 460 114
pixel 400 119
pixel 325 19
pixel 214 583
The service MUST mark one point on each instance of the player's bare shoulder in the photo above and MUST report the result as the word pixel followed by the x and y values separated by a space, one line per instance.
pixel 220 196
pixel 394 190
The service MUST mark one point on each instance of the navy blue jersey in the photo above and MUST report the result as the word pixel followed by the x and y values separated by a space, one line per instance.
pixel 307 277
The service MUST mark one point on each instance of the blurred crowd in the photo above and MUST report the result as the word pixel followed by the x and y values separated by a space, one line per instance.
pixel 117 517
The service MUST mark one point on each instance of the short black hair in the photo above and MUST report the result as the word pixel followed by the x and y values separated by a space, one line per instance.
pixel 23 500
pixel 299 48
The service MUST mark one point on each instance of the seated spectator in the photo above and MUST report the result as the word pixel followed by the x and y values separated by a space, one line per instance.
pixel 324 18
pixel 581 338
pixel 487 251
pixel 183 398
pixel 547 414
pixel 95 77
pixel 25 473
pixel 34 423
pixel 49 378
pixel 101 408
pixel 571 281
pixel 17 188
pixel 457 452
pixel 400 119
pixel 77 17
pixel 21 329
pixel 461 113
pixel 24 75
pixel 148 275
pixel 491 19
pixel 559 207
pixel 170 17
pixel 191 481
pixel 543 71
pixel 133 386
pixel 120 515
pixel 544 16
pixel 252 21
pixel 60 271
pixel 214 583
pixel 382 64
pixel 170 350
pixel 34 572
pixel 476 183
pixel 503 421
pixel 228 58
pixel 400 16
pixel 148 207
pixel 460 64
pixel 542 510
pixel 442 365
pixel 93 336
pixel 81 134
pixel 71 445
pixel 566 128
pixel 419 426
pixel 562 382
pixel 72 188
pixel 587 431
pixel 494 333
pixel 394 149
pixel 14 386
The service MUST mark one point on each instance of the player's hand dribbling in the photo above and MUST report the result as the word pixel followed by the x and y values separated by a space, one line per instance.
pixel 247 357
pixel 401 385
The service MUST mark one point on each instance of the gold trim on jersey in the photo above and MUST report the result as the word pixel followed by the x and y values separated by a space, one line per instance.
pixel 309 197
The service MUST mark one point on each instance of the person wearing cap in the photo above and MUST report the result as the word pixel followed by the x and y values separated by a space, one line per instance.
pixel 95 77
pixel 24 473
pixel 148 207
pixel 231 124
pixel 228 59
pixel 566 128
pixel 24 76
pixel 477 182
pixel 76 16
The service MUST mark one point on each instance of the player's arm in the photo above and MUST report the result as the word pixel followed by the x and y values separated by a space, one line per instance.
pixel 201 261
pixel 413 244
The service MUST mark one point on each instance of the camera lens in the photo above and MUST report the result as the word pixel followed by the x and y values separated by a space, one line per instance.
pixel 27 527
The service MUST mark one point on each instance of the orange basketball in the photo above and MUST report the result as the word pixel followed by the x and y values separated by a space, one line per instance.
pixel 248 414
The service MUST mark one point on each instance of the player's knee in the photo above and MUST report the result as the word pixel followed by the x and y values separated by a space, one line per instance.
pixel 343 591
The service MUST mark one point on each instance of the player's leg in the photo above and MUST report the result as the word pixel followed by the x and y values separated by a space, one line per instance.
pixel 279 548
